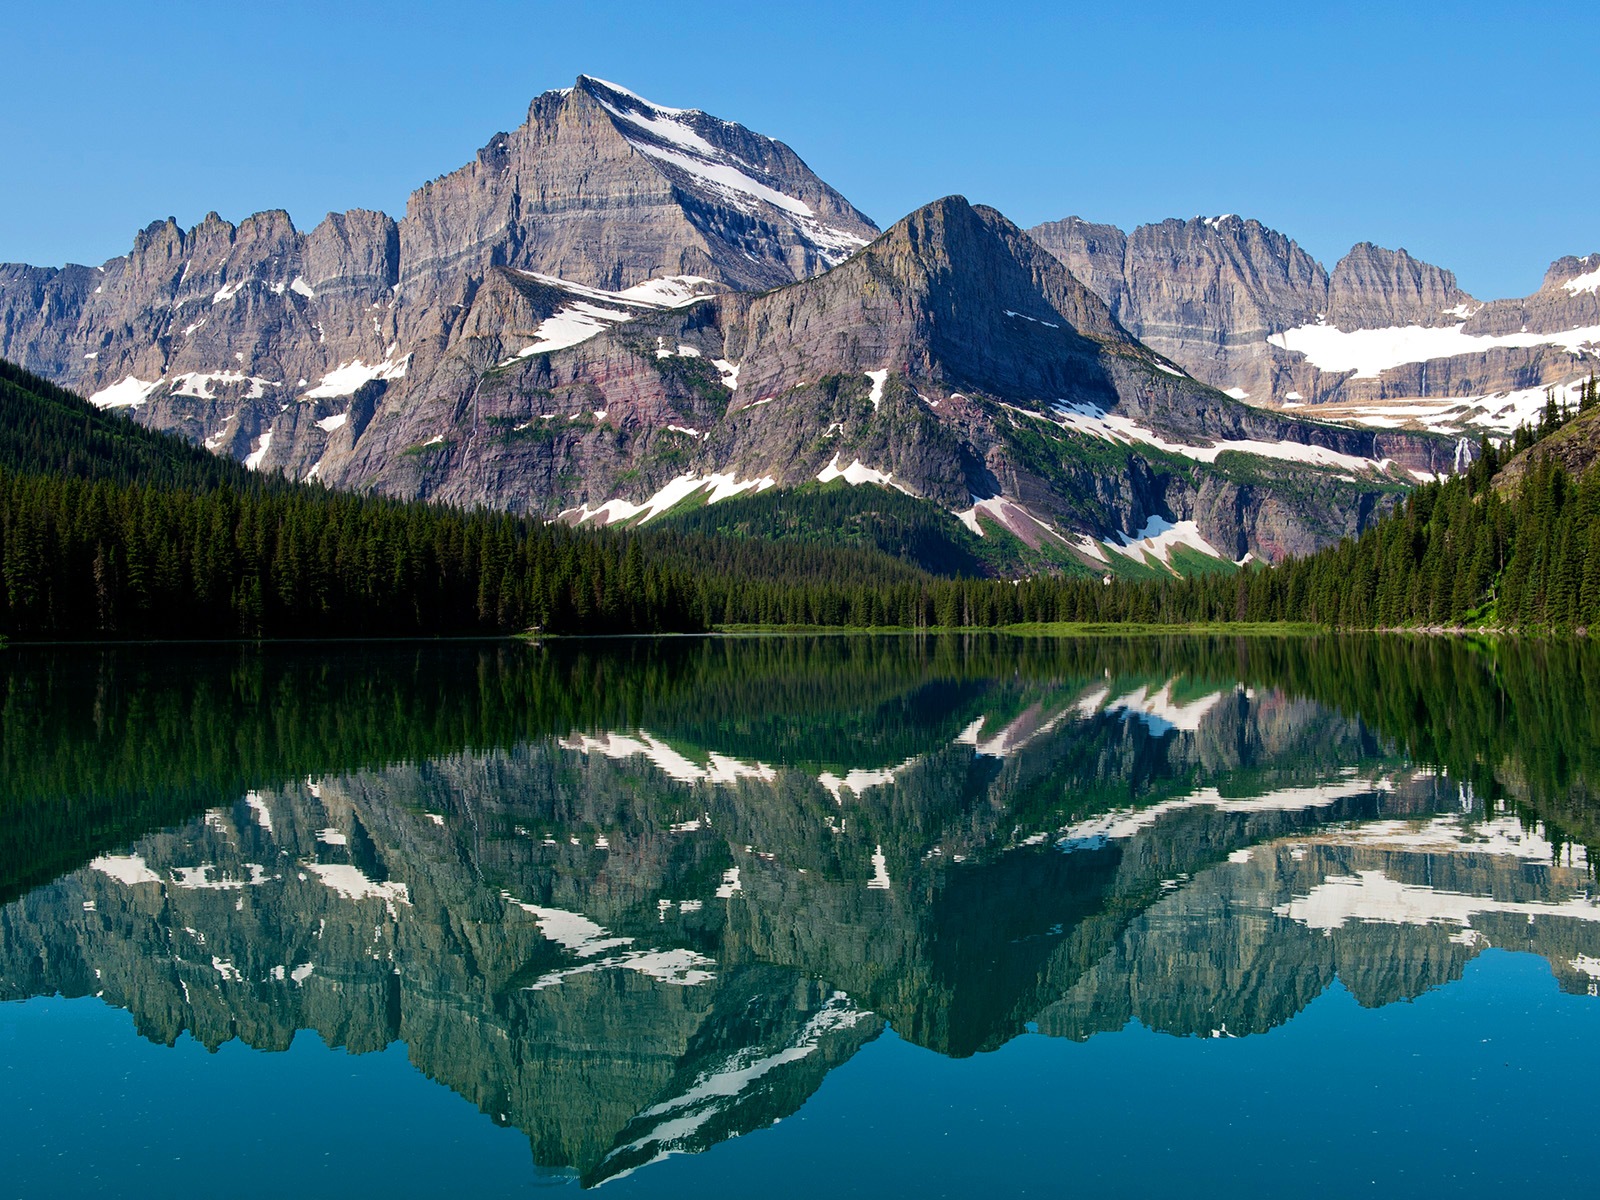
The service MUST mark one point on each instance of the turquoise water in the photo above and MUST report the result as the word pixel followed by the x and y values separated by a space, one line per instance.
pixel 873 917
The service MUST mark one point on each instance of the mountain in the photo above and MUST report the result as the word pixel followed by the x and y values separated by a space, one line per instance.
pixel 620 308
pixel 951 359
pixel 1383 340
pixel 216 331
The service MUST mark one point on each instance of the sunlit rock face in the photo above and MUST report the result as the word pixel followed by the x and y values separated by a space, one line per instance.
pixel 274 345
pixel 1383 340
pixel 638 922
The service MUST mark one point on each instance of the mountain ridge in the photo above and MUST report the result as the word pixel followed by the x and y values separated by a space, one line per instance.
pixel 1383 340
pixel 619 307
pixel 950 358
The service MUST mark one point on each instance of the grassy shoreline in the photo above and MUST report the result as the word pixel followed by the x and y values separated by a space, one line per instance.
pixel 1048 629
pixel 1036 629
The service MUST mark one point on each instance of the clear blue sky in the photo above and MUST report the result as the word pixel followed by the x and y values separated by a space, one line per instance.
pixel 1465 132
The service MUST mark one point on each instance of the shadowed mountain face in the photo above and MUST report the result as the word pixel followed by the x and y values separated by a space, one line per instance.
pixel 634 900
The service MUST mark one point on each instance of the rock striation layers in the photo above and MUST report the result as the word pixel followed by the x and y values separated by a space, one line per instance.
pixel 952 359
pixel 1382 340
pixel 255 338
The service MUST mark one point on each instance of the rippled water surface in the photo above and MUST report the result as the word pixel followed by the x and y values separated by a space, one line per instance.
pixel 849 916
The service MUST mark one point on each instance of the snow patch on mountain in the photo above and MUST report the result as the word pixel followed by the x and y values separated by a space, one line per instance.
pixel 675 1123
pixel 878 379
pixel 199 384
pixel 670 291
pixel 599 310
pixel 125 393
pixel 665 291
pixel 1498 413
pixel 1162 714
pixel 1589 281
pixel 856 474
pixel 254 459
pixel 344 379
pixel 1159 538
pixel 1371 897
pixel 717 486
pixel 576 323
pixel 1095 832
pixel 1370 352
pixel 1097 422
pixel 668 136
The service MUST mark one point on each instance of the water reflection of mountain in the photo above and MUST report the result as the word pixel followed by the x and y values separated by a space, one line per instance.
pixel 639 936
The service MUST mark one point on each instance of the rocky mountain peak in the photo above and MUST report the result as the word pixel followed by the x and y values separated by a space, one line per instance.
pixel 607 189
pixel 1375 288
pixel 617 305
pixel 1248 311
pixel 753 173
pixel 952 292
pixel 1203 291
pixel 1093 252
pixel 1573 275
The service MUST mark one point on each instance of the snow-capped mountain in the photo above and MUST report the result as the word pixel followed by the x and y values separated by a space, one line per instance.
pixel 952 359
pixel 211 332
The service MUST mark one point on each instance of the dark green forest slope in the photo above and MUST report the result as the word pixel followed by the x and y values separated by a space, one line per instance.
pixel 108 530
pixel 111 531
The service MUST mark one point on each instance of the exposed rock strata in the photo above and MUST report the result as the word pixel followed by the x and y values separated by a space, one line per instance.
pixel 1222 295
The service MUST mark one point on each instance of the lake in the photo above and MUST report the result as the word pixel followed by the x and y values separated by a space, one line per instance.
pixel 852 916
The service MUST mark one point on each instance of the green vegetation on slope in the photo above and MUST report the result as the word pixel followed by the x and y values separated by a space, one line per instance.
pixel 117 532
pixel 46 428
pixel 914 530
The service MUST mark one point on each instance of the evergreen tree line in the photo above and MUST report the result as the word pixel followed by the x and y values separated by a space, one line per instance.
pixel 134 534
pixel 48 429
pixel 82 558
pixel 111 530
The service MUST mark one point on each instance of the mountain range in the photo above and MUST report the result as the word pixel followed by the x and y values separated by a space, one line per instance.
pixel 620 311
pixel 1383 340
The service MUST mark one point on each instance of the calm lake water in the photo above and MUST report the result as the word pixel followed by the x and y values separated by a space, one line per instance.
pixel 786 917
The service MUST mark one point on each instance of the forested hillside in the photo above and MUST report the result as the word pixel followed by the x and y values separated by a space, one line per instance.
pixel 47 429
pixel 110 531
pixel 1515 548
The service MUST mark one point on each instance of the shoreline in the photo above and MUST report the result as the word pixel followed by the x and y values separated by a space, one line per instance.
pixel 1042 629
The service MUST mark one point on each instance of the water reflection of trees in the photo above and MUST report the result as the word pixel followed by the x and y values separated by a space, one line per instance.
pixel 777 845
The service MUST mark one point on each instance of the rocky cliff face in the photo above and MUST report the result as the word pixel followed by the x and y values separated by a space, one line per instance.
pixel 210 332
pixel 603 188
pixel 1384 340
pixel 256 339
pixel 1374 288
pixel 1204 292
